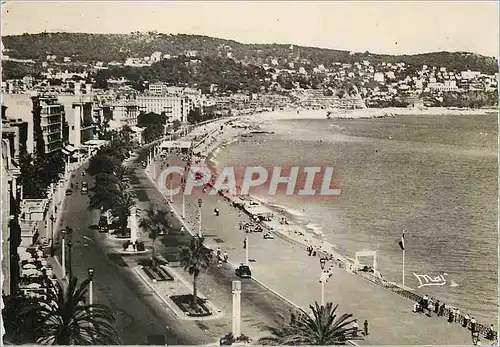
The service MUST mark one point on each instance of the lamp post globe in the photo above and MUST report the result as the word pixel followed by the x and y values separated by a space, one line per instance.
pixel 91 273
pixel 322 263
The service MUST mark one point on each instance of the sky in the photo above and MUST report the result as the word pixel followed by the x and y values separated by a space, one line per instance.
pixel 390 27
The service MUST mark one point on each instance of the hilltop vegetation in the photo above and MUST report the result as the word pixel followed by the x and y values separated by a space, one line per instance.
pixel 90 48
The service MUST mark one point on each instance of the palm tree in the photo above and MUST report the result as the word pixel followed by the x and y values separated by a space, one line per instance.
pixel 195 258
pixel 322 327
pixel 155 223
pixel 66 320
pixel 123 202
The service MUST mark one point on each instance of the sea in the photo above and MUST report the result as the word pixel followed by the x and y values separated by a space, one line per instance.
pixel 435 177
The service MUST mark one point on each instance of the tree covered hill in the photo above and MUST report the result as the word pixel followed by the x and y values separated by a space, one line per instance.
pixel 117 47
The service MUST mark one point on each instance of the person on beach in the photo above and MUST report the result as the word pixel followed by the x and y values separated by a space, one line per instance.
pixel 219 263
pixel 365 324
pixel 415 307
pixel 457 315
pixel 225 256
pixel 218 252
pixel 436 307
pixel 355 328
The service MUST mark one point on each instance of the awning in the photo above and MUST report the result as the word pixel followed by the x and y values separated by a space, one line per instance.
pixel 95 143
pixel 68 149
pixel 137 129
pixel 176 144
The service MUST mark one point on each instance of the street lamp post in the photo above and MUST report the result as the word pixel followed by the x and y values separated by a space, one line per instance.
pixel 183 199
pixel 63 253
pixel 52 250
pixel 91 277
pixel 70 245
pixel 322 280
pixel 245 244
pixel 69 231
pixel 199 210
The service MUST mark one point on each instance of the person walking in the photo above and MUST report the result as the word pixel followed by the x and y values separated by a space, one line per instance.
pixel 490 335
pixel 436 307
pixel 365 324
pixel 441 310
pixel 473 324
pixel 426 302
pixel 475 337
pixel 355 328
pixel 466 321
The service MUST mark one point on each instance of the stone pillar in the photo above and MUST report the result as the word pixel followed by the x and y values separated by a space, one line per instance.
pixel 236 309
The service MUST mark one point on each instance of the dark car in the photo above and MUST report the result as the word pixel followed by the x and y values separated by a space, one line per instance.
pixel 103 224
pixel 69 192
pixel 243 271
pixel 85 188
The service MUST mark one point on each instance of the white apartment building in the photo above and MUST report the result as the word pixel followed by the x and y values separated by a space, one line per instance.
pixel 447 86
pixel 379 77
pixel 81 127
pixel 48 121
pixel 176 107
pixel 468 75
pixel 125 113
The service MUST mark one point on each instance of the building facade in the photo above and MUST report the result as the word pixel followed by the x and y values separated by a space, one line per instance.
pixel 48 124
pixel 10 204
pixel 81 125
pixel 175 107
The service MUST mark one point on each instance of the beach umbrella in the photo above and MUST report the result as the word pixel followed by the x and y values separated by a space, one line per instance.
pixel 33 285
pixel 29 266
pixel 30 272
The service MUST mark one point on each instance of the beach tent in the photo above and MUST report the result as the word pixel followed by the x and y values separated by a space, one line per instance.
pixel 29 266
pixel 176 144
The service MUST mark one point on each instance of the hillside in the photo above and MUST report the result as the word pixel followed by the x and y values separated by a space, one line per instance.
pixel 117 47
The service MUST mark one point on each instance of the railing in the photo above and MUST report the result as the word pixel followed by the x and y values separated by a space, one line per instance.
pixel 481 328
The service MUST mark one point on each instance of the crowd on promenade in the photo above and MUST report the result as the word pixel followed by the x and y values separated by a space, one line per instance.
pixel 425 304
pixel 428 305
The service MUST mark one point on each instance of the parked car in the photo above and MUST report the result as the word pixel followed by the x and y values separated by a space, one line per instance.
pixel 69 191
pixel 243 271
pixel 103 224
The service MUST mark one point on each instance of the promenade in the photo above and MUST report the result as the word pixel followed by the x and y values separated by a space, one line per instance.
pixel 287 270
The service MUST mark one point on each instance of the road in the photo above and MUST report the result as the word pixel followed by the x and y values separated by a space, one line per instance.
pixel 140 314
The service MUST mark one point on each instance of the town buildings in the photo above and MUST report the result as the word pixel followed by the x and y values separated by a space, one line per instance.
pixel 48 124
pixel 13 136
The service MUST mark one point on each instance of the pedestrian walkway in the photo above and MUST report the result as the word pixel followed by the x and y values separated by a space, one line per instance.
pixel 289 271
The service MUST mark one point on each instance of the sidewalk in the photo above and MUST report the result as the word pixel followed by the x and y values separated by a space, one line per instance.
pixel 287 270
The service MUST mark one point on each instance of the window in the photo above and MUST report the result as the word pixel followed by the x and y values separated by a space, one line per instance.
pixel 72 127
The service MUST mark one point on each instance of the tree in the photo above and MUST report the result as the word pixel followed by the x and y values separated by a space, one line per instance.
pixel 195 258
pixel 65 319
pixel 156 223
pixel 122 203
pixel 103 163
pixel 322 327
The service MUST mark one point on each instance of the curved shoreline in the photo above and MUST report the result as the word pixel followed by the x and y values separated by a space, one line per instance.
pixel 297 237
